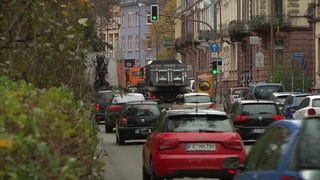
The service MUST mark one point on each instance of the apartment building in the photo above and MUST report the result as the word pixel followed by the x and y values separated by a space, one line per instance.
pixel 255 36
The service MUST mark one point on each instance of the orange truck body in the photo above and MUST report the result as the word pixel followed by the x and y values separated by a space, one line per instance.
pixel 135 77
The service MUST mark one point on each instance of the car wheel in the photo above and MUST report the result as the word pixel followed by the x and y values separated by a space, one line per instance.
pixel 153 174
pixel 145 175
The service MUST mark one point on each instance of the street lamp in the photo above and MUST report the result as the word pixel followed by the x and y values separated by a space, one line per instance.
pixel 140 5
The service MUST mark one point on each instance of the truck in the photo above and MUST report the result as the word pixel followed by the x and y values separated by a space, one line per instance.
pixel 136 78
pixel 165 79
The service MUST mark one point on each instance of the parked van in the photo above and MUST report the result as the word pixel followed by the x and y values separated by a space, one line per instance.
pixel 264 90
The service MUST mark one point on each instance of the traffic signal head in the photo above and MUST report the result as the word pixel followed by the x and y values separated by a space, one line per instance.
pixel 214 67
pixel 154 13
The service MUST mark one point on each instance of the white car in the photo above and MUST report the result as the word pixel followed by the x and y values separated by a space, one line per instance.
pixel 196 100
pixel 309 106
pixel 128 97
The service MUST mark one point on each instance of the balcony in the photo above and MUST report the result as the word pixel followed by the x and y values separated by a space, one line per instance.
pixel 262 22
pixel 237 30
pixel 183 41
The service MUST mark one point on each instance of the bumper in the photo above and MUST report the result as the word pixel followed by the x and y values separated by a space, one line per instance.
pixel 194 166
pixel 100 119
pixel 134 132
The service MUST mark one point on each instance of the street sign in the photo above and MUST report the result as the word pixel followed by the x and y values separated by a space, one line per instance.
pixel 214 47
pixel 222 54
pixel 297 56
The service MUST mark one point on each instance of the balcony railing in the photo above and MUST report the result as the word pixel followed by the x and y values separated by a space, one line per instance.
pixel 238 27
pixel 262 22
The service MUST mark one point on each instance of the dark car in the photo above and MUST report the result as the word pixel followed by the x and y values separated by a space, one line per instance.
pixel 251 117
pixel 113 110
pixel 288 150
pixel 136 120
pixel 279 98
pixel 263 90
pixel 103 101
pixel 233 94
pixel 291 104
pixel 191 143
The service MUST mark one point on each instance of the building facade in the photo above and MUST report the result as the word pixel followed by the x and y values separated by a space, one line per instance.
pixel 255 37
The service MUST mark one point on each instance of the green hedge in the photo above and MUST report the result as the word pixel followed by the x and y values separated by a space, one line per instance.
pixel 45 134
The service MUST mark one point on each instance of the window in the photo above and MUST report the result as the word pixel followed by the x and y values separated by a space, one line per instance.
pixel 130 15
pixel 123 19
pixel 149 43
pixel 137 19
pixel 137 42
pixel 148 20
pixel 130 43
pixel 123 44
pixel 265 154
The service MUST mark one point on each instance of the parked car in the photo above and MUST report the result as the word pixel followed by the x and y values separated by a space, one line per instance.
pixel 279 98
pixel 288 150
pixel 112 113
pixel 291 104
pixel 136 120
pixel 263 91
pixel 191 143
pixel 251 117
pixel 233 94
pixel 195 100
pixel 103 100
pixel 309 106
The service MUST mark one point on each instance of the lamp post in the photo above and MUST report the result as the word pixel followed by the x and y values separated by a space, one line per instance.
pixel 140 5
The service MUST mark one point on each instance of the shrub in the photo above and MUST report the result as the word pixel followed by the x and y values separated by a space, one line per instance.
pixel 45 134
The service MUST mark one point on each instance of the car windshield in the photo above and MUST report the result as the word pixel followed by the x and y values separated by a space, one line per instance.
pixel 142 110
pixel 309 147
pixel 197 99
pixel 188 123
pixel 239 91
pixel 258 109
pixel 298 100
pixel 265 92
pixel 281 99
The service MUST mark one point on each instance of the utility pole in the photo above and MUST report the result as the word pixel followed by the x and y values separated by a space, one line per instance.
pixel 271 38
pixel 220 49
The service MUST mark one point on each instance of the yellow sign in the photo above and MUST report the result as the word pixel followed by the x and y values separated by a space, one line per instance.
pixel 204 83
pixel 222 54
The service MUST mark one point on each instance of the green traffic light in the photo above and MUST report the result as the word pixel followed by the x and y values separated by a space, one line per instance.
pixel 214 71
pixel 154 17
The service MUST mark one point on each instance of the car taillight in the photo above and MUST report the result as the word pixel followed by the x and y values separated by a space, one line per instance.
pixel 114 107
pixel 231 100
pixel 277 117
pixel 168 143
pixel 232 145
pixel 97 107
pixel 212 106
pixel 153 97
pixel 232 171
pixel 124 121
pixel 241 118
pixel 311 112
pixel 289 178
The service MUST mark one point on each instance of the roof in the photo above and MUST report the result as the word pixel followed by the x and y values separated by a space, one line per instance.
pixel 142 102
pixel 255 101
pixel 292 123
pixel 196 94
pixel 195 111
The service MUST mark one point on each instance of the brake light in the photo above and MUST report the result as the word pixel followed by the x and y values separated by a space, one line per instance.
pixel 233 145
pixel 232 171
pixel 124 122
pixel 168 143
pixel 277 117
pixel 241 118
pixel 153 97
pixel 97 107
pixel 115 107
pixel 311 112
pixel 285 177
pixel 212 106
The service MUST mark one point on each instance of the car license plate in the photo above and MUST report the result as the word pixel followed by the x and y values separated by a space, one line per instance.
pixel 258 130
pixel 200 147
pixel 143 131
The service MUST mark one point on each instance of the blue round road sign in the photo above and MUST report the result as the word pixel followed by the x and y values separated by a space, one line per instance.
pixel 214 47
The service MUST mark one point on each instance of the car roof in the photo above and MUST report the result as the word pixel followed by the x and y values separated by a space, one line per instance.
pixel 292 124
pixel 282 93
pixel 239 87
pixel 196 94
pixel 255 101
pixel 313 96
pixel 195 112
pixel 142 102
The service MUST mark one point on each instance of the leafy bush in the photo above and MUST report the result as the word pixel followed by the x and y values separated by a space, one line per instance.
pixel 45 134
